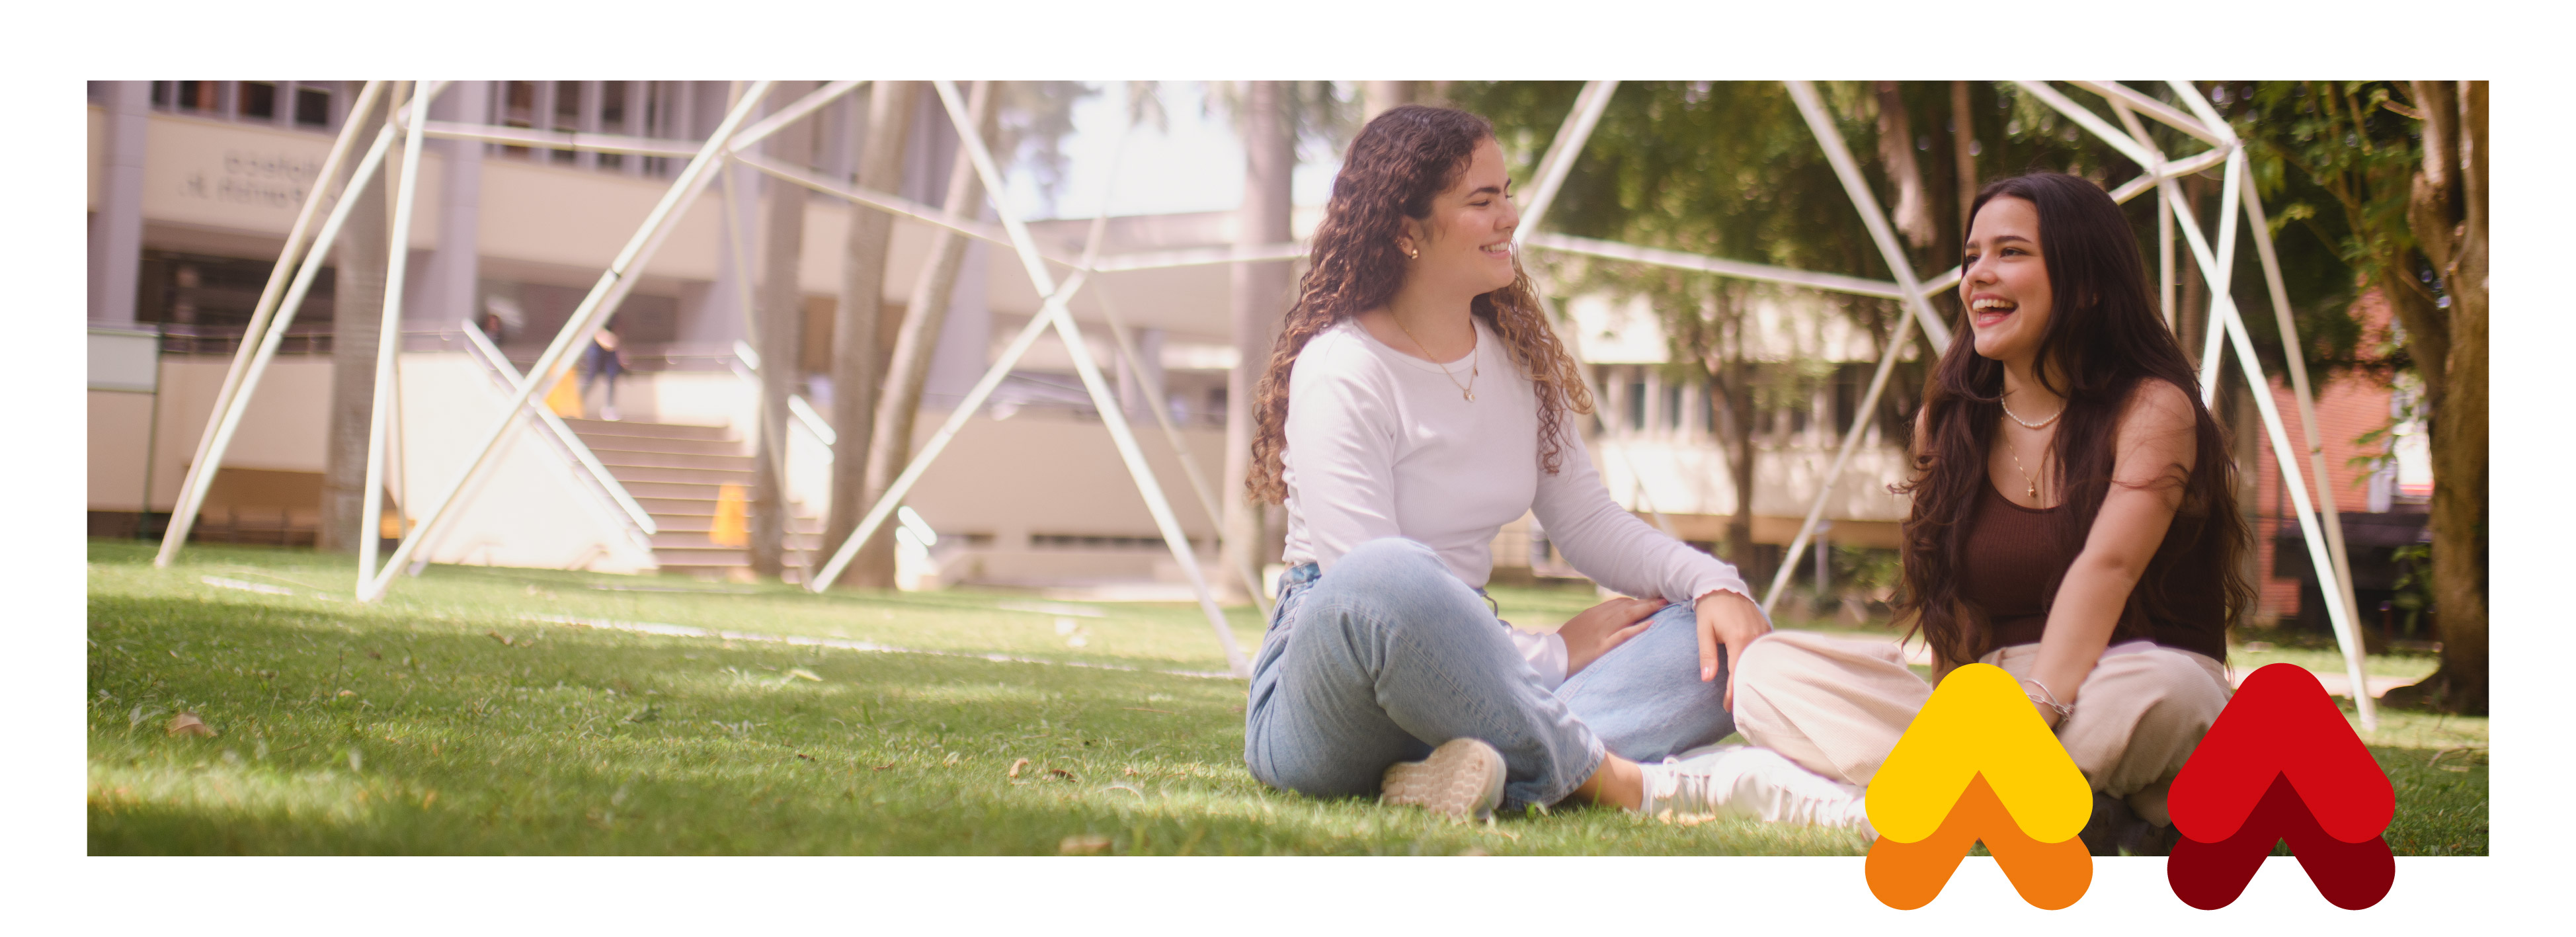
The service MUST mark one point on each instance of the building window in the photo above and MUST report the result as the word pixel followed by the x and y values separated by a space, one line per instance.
pixel 199 96
pixel 1634 401
pixel 567 115
pixel 612 117
pixel 312 106
pixel 518 109
pixel 259 99
pixel 308 103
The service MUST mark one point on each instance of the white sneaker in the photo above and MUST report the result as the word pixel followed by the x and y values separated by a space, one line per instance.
pixel 1744 781
pixel 1463 780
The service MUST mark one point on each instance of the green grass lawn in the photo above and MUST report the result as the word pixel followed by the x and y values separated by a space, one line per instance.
pixel 462 715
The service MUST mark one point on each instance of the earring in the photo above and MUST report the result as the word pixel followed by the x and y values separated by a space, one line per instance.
pixel 1413 253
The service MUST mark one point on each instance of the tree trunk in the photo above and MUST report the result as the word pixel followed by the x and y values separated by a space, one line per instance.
pixel 1731 387
pixel 1913 214
pixel 1260 297
pixel 856 323
pixel 357 314
pixel 781 309
pixel 1377 96
pixel 2448 212
pixel 1963 138
pixel 891 448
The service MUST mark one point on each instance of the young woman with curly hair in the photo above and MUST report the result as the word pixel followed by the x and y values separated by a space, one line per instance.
pixel 1416 402
pixel 2074 523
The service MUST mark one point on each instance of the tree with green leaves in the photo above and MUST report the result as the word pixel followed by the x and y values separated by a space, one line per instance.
pixel 1724 169
pixel 2380 186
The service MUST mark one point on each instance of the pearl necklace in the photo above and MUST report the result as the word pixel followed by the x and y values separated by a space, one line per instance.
pixel 2026 424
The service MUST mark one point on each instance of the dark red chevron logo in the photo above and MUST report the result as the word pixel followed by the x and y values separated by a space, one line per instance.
pixel 2281 765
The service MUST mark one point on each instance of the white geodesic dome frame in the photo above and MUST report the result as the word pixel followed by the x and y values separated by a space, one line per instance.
pixel 729 147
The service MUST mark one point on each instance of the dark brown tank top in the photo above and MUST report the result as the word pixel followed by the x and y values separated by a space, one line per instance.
pixel 2013 565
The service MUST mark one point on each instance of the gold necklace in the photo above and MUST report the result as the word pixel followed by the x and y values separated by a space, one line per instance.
pixel 2027 481
pixel 1467 390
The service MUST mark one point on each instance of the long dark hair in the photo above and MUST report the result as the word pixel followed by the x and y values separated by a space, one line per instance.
pixel 1394 168
pixel 2102 341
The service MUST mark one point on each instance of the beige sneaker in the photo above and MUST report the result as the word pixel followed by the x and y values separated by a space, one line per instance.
pixel 1463 780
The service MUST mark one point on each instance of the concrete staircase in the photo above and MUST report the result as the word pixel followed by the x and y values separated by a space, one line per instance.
pixel 674 471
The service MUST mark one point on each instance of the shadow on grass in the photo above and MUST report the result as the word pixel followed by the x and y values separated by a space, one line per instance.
pixel 411 727
pixel 374 734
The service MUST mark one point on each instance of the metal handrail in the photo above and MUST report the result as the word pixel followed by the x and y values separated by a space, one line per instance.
pixel 747 366
pixel 501 367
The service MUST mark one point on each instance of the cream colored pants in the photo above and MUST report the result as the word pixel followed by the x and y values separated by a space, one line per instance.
pixel 1837 706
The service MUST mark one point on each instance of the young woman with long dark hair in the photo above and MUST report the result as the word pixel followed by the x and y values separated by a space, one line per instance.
pixel 2074 522
pixel 1417 401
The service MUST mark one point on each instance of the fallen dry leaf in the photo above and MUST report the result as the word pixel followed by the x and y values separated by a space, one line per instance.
pixel 802 672
pixel 428 799
pixel 1086 844
pixel 348 692
pixel 189 724
pixel 1015 768
pixel 497 636
pixel 1061 773
pixel 1131 772
pixel 882 766
pixel 375 656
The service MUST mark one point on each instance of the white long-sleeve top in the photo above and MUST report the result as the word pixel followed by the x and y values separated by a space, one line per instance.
pixel 1384 444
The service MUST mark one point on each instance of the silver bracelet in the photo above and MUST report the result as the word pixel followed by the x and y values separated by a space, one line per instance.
pixel 2063 710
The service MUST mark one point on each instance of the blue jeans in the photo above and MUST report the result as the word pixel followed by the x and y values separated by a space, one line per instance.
pixel 1644 698
pixel 1390 655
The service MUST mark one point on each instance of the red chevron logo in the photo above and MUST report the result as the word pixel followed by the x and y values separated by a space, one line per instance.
pixel 2281 765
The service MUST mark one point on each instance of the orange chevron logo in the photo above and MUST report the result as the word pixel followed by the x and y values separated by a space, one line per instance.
pixel 1978 765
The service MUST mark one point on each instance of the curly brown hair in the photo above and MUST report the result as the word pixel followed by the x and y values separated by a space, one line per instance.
pixel 1397 164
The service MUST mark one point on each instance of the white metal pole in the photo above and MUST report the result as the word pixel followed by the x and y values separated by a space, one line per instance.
pixel 1822 123
pixel 550 140
pixel 1561 153
pixel 912 471
pixel 635 513
pixel 2330 578
pixel 604 295
pixel 2123 96
pixel 2299 387
pixel 2219 279
pixel 791 112
pixel 201 470
pixel 1851 443
pixel 2174 169
pixel 1741 270
pixel 2089 121
pixel 229 419
pixel 1152 383
pixel 389 342
pixel 2164 214
pixel 2243 185
pixel 1190 471
pixel 1103 397
pixel 901 207
pixel 2165 261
